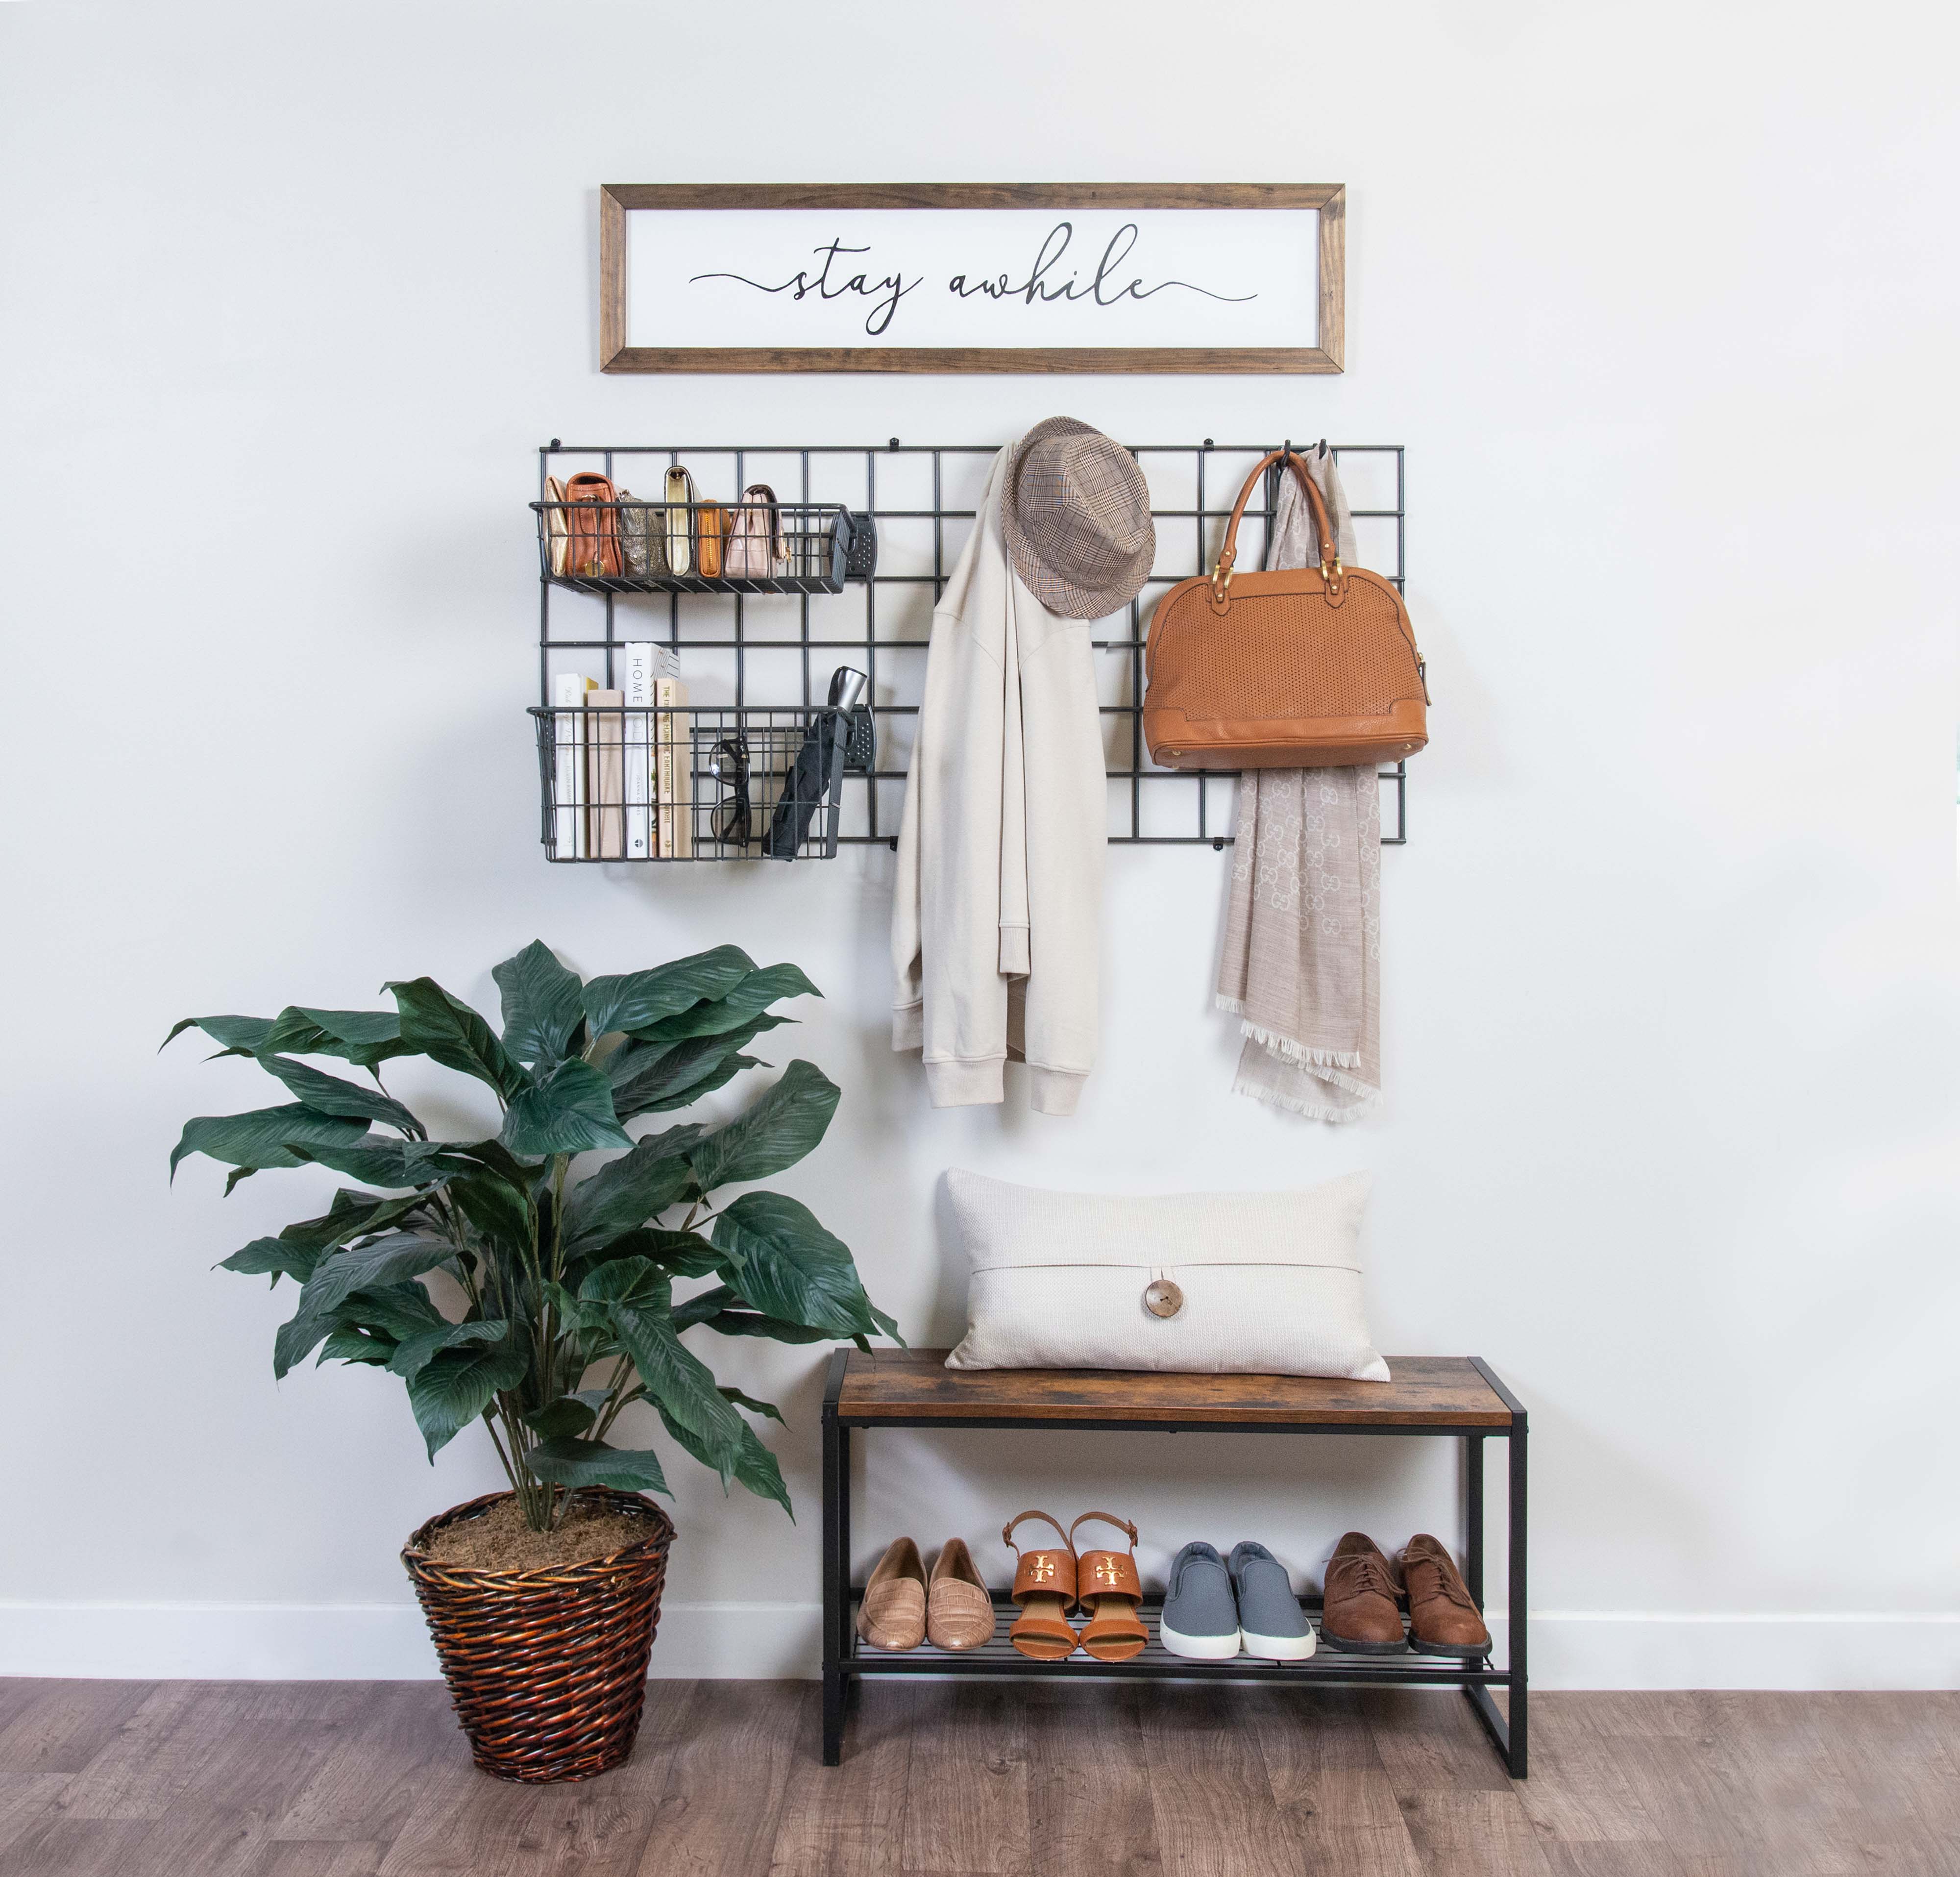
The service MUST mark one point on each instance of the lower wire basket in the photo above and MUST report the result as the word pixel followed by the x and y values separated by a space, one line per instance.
pixel 709 783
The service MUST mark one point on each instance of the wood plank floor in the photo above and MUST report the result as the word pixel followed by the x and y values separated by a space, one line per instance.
pixel 102 1779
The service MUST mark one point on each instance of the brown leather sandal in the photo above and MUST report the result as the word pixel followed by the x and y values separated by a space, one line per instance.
pixel 1044 1588
pixel 1108 1589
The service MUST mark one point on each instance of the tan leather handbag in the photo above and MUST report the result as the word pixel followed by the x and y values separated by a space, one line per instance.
pixel 1296 668
pixel 592 521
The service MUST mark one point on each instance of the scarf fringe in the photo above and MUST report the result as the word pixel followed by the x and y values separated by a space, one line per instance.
pixel 1311 1110
pixel 1287 1050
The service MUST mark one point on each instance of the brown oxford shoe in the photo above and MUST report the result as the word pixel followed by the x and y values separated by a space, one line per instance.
pixel 1443 1619
pixel 1359 1612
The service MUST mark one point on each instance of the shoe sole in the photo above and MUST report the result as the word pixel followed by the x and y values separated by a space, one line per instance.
pixel 1333 1641
pixel 1460 1652
pixel 1198 1648
pixel 1278 1648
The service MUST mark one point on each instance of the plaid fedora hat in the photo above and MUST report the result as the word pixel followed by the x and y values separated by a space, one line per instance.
pixel 1076 512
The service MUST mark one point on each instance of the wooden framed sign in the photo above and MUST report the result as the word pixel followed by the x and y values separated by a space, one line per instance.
pixel 1028 277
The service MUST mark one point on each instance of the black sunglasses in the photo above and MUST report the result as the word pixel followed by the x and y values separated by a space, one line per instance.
pixel 728 763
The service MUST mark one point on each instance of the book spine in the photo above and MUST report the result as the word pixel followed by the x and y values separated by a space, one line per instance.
pixel 637 749
pixel 568 767
pixel 674 771
pixel 605 774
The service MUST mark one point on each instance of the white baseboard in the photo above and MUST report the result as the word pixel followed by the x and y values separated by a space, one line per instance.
pixel 387 1642
pixel 365 1641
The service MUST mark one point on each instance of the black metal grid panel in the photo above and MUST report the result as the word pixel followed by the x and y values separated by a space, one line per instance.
pixel 920 497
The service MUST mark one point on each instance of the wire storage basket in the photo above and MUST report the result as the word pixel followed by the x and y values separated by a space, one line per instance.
pixel 707 783
pixel 700 547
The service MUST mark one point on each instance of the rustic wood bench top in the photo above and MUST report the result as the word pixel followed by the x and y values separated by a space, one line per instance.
pixel 914 1385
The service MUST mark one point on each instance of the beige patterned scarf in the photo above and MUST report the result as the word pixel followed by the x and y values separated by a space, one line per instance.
pixel 1302 963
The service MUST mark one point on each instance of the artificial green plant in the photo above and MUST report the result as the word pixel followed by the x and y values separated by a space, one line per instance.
pixel 559 1280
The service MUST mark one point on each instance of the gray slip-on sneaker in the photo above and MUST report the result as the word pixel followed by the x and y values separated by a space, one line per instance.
pixel 1270 1621
pixel 1200 1620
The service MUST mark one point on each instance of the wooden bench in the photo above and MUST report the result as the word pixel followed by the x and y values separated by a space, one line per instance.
pixel 1456 1397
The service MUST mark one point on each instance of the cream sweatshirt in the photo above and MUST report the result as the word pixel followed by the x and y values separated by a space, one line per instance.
pixel 996 917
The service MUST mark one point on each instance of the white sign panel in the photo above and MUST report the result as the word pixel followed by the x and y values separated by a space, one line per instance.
pixel 987 278
pixel 972 278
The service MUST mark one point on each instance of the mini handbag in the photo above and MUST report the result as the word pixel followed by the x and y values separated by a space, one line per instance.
pixel 711 526
pixel 755 550
pixel 1292 668
pixel 679 495
pixel 592 521
pixel 643 545
pixel 557 539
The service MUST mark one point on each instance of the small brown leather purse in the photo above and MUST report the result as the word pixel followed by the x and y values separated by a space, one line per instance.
pixel 711 526
pixel 1294 668
pixel 592 523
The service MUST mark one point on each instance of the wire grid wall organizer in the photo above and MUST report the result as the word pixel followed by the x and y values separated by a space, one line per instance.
pixel 747 647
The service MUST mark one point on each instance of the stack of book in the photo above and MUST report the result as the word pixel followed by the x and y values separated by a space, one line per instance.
pixel 623 786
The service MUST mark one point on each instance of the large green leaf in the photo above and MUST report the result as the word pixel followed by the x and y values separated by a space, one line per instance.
pixel 300 1247
pixel 384 1260
pixel 501 1212
pixel 652 1076
pixel 752 1463
pixel 717 1019
pixel 746 1000
pixel 329 1095
pixel 641 998
pixel 363 1038
pixel 678 1254
pixel 755 1406
pixel 264 1136
pixel 635 1298
pixel 789 1266
pixel 627 1192
pixel 382 1162
pixel 567 1416
pixel 634 1283
pixel 356 1345
pixel 777 1131
pixel 234 1035
pixel 567 1460
pixel 453 1387
pixel 544 1010
pixel 723 1311
pixel 567 1111
pixel 448 1031
pixel 413 1353
pixel 393 1310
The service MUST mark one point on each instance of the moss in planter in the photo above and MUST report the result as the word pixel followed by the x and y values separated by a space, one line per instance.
pixel 500 1541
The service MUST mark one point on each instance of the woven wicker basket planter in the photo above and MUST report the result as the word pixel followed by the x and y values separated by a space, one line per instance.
pixel 548 1667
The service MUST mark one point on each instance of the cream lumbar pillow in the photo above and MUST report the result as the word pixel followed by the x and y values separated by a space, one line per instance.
pixel 1240 1283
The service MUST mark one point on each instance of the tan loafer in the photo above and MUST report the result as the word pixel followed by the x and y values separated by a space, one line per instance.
pixel 959 1609
pixel 892 1615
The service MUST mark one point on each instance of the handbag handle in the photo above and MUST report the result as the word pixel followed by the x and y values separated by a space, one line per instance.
pixel 1330 551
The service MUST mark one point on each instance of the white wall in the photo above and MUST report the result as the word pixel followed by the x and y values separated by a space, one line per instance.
pixel 1661 301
